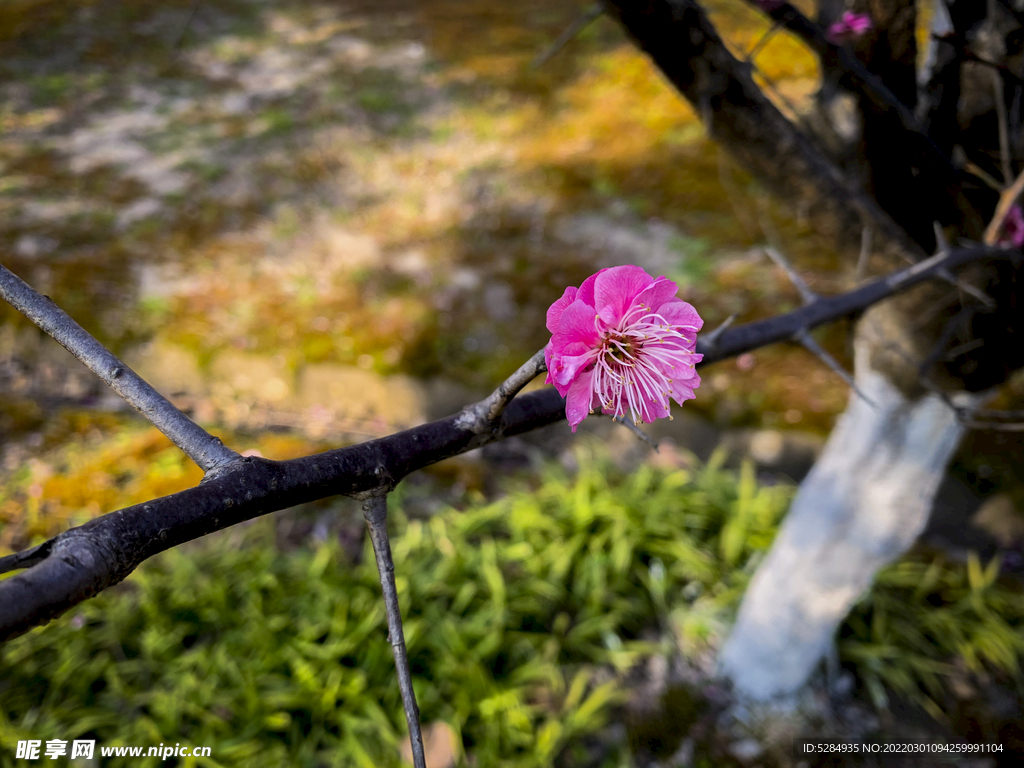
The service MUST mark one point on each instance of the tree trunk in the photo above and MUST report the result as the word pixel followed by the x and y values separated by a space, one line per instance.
pixel 863 505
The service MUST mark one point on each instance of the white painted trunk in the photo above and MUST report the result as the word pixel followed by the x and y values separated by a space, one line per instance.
pixel 863 504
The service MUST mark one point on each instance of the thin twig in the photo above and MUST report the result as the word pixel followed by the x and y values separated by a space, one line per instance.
pixel 25 559
pixel 976 170
pixel 1006 200
pixel 375 510
pixel 865 253
pixel 811 345
pixel 1004 132
pixel 635 429
pixel 762 41
pixel 188 23
pixel 970 290
pixel 963 349
pixel 941 346
pixel 969 55
pixel 993 426
pixel 996 413
pixel 806 293
pixel 942 246
pixel 941 243
pixel 483 415
pixel 584 20
pixel 786 101
pixel 199 445
pixel 710 340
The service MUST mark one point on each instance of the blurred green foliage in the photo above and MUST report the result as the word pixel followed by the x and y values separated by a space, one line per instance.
pixel 923 620
pixel 516 615
pixel 521 618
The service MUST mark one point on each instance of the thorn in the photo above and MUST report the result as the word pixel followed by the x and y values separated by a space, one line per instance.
pixel 963 349
pixel 866 235
pixel 967 288
pixel 806 293
pixel 712 338
pixel 941 243
pixel 822 354
pixel 636 431
pixel 974 170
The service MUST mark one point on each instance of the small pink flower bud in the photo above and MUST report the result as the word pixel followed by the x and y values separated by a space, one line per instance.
pixel 849 27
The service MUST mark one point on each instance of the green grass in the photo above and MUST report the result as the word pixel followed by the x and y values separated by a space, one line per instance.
pixel 521 618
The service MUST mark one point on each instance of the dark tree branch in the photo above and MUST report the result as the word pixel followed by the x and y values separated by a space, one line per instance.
pixel 710 340
pixel 199 445
pixel 81 562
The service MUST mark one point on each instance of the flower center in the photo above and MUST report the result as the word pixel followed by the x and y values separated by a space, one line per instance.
pixel 621 349
pixel 636 362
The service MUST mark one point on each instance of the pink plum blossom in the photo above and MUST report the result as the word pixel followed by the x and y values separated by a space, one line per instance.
pixel 850 26
pixel 622 342
pixel 1012 233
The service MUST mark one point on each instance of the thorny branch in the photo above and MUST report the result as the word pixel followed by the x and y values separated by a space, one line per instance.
pixel 77 564
pixel 803 335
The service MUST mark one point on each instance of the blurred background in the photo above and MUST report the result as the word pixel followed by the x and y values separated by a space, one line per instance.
pixel 311 223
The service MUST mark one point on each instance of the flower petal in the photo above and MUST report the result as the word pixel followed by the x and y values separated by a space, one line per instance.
pixel 579 399
pixel 615 290
pixel 575 326
pixel 678 312
pixel 586 293
pixel 657 293
pixel 567 366
pixel 555 310
pixel 683 390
